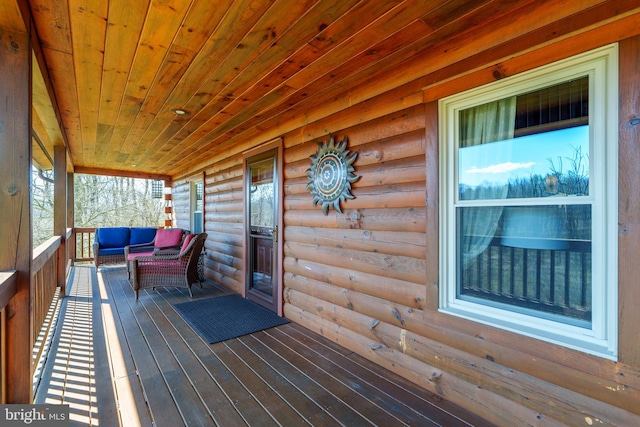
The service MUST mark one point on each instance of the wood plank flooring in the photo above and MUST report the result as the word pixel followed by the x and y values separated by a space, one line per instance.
pixel 120 362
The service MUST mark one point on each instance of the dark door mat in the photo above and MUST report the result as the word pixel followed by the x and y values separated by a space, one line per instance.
pixel 230 316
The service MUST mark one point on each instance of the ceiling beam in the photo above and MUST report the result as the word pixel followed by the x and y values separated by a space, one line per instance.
pixel 125 174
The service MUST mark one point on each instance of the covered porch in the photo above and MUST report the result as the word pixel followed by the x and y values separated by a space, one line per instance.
pixel 201 97
pixel 116 361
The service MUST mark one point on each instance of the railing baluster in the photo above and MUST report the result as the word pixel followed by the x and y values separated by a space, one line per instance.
pixel 567 279
pixel 552 278
pixel 479 275
pixel 489 282
pixel 505 276
pixel 538 275
pixel 583 279
pixel 525 273
pixel 512 270
pixel 500 273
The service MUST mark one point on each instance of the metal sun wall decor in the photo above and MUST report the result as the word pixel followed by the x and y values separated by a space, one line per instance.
pixel 331 175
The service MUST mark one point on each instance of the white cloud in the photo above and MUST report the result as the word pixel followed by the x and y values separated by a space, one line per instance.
pixel 501 167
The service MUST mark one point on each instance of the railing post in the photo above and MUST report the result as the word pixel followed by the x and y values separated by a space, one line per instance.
pixel 71 242
pixel 7 292
pixel 60 211
pixel 15 196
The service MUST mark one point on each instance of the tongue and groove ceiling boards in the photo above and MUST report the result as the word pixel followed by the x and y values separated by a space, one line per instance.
pixel 240 69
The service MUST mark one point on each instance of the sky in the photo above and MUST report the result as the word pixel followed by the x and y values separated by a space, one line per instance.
pixel 498 162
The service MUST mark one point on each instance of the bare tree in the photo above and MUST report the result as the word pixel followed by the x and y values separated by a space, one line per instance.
pixel 100 201
pixel 41 207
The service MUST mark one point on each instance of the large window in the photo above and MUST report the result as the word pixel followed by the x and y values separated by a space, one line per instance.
pixel 529 203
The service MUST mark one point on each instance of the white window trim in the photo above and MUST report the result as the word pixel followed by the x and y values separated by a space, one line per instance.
pixel 601 339
pixel 192 202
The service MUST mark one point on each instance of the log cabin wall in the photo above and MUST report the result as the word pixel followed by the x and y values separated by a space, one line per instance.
pixel 223 220
pixel 347 274
pixel 367 278
pixel 181 204
pixel 223 224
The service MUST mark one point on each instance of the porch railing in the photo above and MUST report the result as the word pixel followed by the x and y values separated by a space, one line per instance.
pixel 7 292
pixel 550 281
pixel 44 294
pixel 44 299
pixel 83 241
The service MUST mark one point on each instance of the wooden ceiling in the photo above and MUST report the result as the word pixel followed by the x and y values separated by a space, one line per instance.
pixel 238 68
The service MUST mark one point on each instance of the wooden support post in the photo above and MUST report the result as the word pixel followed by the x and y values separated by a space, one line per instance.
pixel 629 203
pixel 71 244
pixel 168 203
pixel 432 301
pixel 60 211
pixel 15 204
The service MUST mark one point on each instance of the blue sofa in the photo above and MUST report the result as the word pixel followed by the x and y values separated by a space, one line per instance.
pixel 109 243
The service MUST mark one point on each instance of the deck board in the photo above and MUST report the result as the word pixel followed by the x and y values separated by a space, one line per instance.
pixel 293 386
pixel 122 362
pixel 353 410
pixel 149 375
pixel 400 394
pixel 131 406
pixel 362 385
pixel 240 400
pixel 195 371
pixel 272 403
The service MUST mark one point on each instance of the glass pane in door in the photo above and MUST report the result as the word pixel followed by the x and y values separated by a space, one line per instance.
pixel 262 223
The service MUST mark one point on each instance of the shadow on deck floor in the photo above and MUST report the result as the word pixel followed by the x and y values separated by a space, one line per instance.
pixel 118 362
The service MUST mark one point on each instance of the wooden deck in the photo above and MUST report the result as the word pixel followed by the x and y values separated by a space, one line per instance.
pixel 118 361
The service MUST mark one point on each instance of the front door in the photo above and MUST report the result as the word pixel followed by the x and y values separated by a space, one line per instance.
pixel 262 230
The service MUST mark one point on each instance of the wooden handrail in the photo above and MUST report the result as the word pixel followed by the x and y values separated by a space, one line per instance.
pixel 7 287
pixel 84 229
pixel 44 252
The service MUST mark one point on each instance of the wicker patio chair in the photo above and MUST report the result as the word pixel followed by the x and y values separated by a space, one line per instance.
pixel 167 240
pixel 170 270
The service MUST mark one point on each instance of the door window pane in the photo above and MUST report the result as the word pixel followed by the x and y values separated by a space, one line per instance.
pixel 261 195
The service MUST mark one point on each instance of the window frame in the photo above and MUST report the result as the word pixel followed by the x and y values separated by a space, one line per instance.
pixel 601 338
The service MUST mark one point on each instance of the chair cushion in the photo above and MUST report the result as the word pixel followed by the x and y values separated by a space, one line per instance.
pixel 168 237
pixel 160 268
pixel 133 255
pixel 142 235
pixel 110 251
pixel 113 237
pixel 187 240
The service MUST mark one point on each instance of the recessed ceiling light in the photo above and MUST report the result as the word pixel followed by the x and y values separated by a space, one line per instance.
pixel 179 111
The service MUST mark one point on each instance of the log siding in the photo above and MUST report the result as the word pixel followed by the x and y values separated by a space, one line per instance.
pixel 368 278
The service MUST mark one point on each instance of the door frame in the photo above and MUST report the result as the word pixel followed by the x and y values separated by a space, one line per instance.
pixel 248 157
